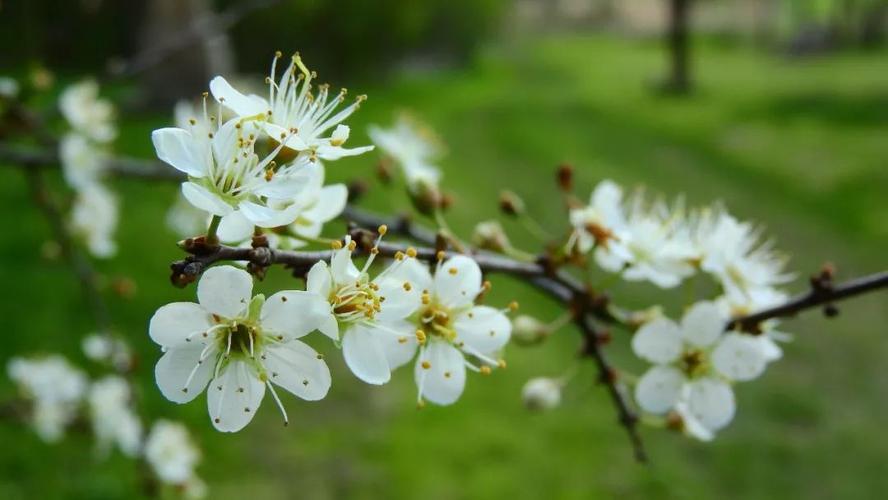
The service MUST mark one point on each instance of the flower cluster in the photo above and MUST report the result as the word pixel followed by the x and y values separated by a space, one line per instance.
pixel 262 167
pixel 84 152
pixel 54 387
pixel 239 344
pixel 695 362
pixel 173 456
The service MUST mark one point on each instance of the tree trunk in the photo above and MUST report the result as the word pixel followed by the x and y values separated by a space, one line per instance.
pixel 678 41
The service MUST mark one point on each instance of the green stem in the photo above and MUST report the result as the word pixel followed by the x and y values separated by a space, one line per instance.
pixel 211 231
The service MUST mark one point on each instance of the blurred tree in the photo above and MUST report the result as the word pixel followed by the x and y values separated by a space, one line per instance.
pixel 678 41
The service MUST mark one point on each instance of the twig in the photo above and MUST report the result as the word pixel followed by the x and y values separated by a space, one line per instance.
pixel 822 293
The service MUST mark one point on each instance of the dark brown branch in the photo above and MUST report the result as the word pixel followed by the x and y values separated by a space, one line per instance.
pixel 822 293
pixel 593 341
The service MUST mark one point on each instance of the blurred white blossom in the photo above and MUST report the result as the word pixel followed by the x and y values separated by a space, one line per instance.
pixel 113 420
pixel 171 452
pixel 9 87
pixel 415 148
pixel 83 160
pixel 88 114
pixel 94 219
pixel 54 387
pixel 541 393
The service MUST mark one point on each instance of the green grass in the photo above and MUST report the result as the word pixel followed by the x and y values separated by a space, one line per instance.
pixel 798 145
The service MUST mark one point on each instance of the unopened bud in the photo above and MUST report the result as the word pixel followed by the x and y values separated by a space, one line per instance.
pixel 541 393
pixel 510 203
pixel 490 235
pixel 527 330
pixel 425 196
pixel 384 172
pixel 565 177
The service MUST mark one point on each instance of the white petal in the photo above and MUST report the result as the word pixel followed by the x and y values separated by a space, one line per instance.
pixel 234 100
pixel 659 388
pixel 329 326
pixel 319 280
pixel 331 202
pixel 739 357
pixel 770 349
pixel 225 290
pixel 342 268
pixel 333 153
pixel 458 281
pixel 483 329
pixel 365 356
pixel 177 364
pixel 399 349
pixel 402 285
pixel 178 148
pixel 297 368
pixel 234 397
pixel 235 228
pixel 692 426
pixel 658 341
pixel 203 199
pixel 443 382
pixel 264 216
pixel 711 401
pixel 175 322
pixel 702 324
pixel 293 313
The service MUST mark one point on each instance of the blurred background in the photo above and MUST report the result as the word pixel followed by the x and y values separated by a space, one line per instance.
pixel 777 107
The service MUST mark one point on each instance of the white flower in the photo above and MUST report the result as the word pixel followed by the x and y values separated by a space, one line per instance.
pixel 490 235
pixel 735 304
pixel 83 160
pixel 9 87
pixel 541 393
pixel 55 388
pixel 316 205
pixel 94 219
pixel 243 344
pixel 113 420
pixel 695 363
pixel 368 315
pixel 225 176
pixel 186 220
pixel 597 223
pixel 414 146
pixel 103 347
pixel 171 453
pixel 293 115
pixel 645 247
pixel 733 253
pixel 87 114
pixel 451 326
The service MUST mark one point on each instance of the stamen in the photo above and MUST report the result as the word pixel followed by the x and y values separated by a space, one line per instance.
pixel 278 401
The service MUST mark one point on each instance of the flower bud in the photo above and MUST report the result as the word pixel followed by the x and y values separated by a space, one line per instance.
pixel 425 196
pixel 527 330
pixel 490 235
pixel 541 393
pixel 510 203
pixel 565 177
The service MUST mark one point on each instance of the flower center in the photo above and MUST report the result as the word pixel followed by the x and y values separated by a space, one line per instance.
pixel 694 363
pixel 239 339
pixel 357 301
pixel 438 321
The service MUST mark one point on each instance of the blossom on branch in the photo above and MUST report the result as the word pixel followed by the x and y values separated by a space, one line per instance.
pixel 293 115
pixel 94 218
pixel 88 114
pixel 239 344
pixel 111 413
pixel 171 453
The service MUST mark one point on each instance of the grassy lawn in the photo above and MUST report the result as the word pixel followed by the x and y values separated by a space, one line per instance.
pixel 798 145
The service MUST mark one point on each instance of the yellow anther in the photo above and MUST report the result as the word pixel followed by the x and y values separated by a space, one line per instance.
pixel 485 370
pixel 420 404
pixel 402 340
pixel 352 245
pixel 278 54
pixel 399 255
pixel 337 245
pixel 446 374
pixel 452 271
pixel 374 250
pixel 426 365
pixel 411 252
pixel 513 306
pixel 501 363
pixel 420 336
pixel 407 286
pixel 440 255
pixel 487 285
pixel 382 230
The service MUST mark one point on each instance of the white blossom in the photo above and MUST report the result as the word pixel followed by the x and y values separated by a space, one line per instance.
pixel 171 452
pixel 87 113
pixel 226 176
pixel 186 220
pixel 694 364
pixel 451 327
pixel 293 114
pixel 598 222
pixel 541 393
pixel 112 416
pixel 83 160
pixel 9 87
pixel 733 252
pixel 414 147
pixel 103 347
pixel 54 387
pixel 368 316
pixel 316 205
pixel 94 219
pixel 239 344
